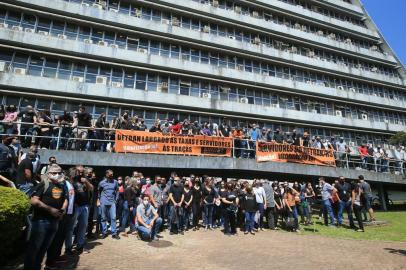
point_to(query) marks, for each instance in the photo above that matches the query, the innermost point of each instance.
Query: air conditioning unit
(340, 88)
(20, 71)
(265, 73)
(244, 100)
(117, 84)
(304, 28)
(311, 54)
(44, 33)
(77, 79)
(237, 9)
(205, 95)
(2, 66)
(339, 113)
(85, 4)
(29, 30)
(137, 13)
(386, 121)
(351, 144)
(320, 33)
(17, 28)
(364, 116)
(348, 41)
(142, 50)
(314, 111)
(231, 37)
(206, 29)
(240, 67)
(257, 40)
(114, 46)
(332, 36)
(114, 10)
(166, 21)
(88, 41)
(62, 36)
(374, 69)
(275, 105)
(298, 26)
(215, 3)
(352, 89)
(374, 48)
(97, 6)
(101, 80)
(175, 21)
(255, 14)
(293, 49)
(3, 25)
(102, 43)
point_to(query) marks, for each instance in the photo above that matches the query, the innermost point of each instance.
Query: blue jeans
(111, 209)
(347, 206)
(208, 214)
(327, 209)
(42, 234)
(81, 218)
(186, 217)
(294, 215)
(249, 221)
(127, 214)
(146, 233)
(70, 225)
(261, 215)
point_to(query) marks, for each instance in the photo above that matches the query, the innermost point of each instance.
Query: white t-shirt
(259, 194)
(71, 193)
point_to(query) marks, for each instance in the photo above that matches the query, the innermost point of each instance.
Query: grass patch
(394, 231)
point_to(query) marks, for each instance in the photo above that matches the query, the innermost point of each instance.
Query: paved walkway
(266, 250)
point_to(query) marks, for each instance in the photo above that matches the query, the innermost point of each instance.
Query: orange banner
(129, 141)
(291, 153)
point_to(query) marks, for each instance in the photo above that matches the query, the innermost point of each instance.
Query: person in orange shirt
(238, 136)
(290, 198)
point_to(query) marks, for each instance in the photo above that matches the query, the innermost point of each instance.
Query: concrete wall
(248, 166)
(66, 87)
(94, 14)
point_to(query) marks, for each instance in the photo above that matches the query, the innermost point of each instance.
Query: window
(35, 66)
(50, 68)
(141, 81)
(152, 82)
(129, 79)
(64, 71)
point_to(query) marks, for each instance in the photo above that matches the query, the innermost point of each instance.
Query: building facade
(320, 66)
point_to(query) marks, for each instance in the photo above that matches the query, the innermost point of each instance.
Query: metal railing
(69, 137)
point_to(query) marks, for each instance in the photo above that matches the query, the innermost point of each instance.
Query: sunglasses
(55, 173)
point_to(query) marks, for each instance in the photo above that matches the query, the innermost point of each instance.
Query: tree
(398, 139)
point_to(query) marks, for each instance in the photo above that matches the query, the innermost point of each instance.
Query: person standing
(83, 188)
(131, 202)
(208, 202)
(260, 197)
(357, 206)
(290, 202)
(326, 194)
(366, 198)
(250, 207)
(344, 195)
(196, 203)
(176, 198)
(229, 202)
(187, 206)
(270, 205)
(107, 199)
(49, 201)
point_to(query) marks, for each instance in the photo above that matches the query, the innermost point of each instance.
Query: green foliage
(398, 139)
(14, 206)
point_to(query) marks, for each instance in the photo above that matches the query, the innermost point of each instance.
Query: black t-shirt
(177, 191)
(278, 137)
(27, 117)
(84, 119)
(223, 195)
(296, 139)
(81, 192)
(344, 191)
(142, 127)
(209, 195)
(187, 195)
(306, 141)
(249, 203)
(24, 164)
(197, 195)
(54, 196)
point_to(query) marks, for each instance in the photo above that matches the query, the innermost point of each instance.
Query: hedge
(14, 206)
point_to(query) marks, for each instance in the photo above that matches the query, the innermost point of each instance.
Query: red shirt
(176, 128)
(363, 151)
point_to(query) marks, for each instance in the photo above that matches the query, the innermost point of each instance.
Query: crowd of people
(79, 131)
(73, 205)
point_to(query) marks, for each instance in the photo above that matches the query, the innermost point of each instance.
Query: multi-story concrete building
(317, 65)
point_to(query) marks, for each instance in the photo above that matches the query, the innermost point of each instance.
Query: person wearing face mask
(196, 203)
(148, 220)
(25, 176)
(278, 136)
(176, 198)
(344, 194)
(107, 200)
(49, 201)
(342, 149)
(229, 202)
(100, 132)
(131, 201)
(156, 194)
(120, 201)
(187, 206)
(142, 126)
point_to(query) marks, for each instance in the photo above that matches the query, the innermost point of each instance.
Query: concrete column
(382, 196)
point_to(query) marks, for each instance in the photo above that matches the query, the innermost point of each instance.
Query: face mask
(148, 182)
(110, 177)
(54, 177)
(120, 183)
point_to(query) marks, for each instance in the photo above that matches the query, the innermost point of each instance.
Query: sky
(390, 17)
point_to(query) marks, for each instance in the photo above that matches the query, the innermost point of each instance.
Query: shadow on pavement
(396, 251)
